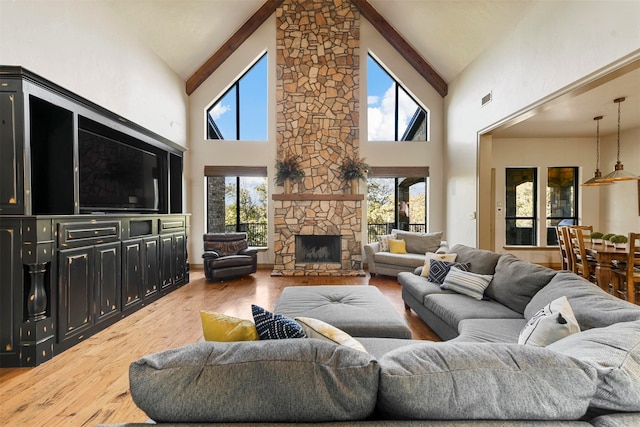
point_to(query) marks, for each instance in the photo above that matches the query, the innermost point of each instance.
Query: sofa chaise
(481, 376)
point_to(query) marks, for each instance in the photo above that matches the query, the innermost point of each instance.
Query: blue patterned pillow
(438, 270)
(272, 326)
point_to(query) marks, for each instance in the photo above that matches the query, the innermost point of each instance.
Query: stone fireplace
(317, 92)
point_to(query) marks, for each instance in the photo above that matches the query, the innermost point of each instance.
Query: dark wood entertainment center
(91, 221)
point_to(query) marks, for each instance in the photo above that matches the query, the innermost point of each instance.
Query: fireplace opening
(317, 249)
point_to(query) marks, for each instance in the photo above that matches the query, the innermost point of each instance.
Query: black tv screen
(115, 176)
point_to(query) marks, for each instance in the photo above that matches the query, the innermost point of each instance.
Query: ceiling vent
(486, 99)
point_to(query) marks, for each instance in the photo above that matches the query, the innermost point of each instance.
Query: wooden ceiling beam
(403, 48)
(230, 46)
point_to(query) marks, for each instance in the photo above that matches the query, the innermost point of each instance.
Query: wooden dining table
(603, 255)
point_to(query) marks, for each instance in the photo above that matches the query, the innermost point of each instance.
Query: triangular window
(241, 112)
(392, 113)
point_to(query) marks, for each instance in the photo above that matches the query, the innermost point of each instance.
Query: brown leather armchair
(228, 255)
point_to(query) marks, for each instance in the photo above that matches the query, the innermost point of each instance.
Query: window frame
(533, 218)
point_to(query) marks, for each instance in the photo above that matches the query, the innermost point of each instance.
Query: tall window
(398, 202)
(520, 206)
(562, 200)
(560, 206)
(237, 203)
(392, 114)
(241, 112)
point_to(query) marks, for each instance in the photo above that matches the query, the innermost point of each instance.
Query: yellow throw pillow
(318, 329)
(439, 257)
(220, 327)
(397, 246)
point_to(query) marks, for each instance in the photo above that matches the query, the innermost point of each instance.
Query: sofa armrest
(211, 254)
(248, 251)
(443, 248)
(369, 251)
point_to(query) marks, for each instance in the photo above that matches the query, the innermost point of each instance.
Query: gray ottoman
(360, 311)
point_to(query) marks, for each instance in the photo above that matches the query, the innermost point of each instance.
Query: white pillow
(439, 257)
(315, 328)
(384, 241)
(549, 324)
(466, 282)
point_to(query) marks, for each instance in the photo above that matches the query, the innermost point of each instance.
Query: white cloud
(372, 99)
(381, 117)
(218, 110)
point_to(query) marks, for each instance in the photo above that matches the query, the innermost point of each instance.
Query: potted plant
(596, 237)
(607, 239)
(288, 170)
(619, 241)
(352, 170)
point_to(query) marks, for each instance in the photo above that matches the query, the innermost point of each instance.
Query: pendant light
(619, 174)
(597, 177)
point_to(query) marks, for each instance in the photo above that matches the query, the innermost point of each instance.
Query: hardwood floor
(89, 383)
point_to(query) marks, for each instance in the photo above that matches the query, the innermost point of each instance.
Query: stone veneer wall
(317, 92)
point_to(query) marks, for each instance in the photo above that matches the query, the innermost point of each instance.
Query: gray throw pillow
(419, 243)
(516, 281)
(295, 380)
(462, 381)
(614, 352)
(482, 261)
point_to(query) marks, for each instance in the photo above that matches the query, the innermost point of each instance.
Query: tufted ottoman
(361, 311)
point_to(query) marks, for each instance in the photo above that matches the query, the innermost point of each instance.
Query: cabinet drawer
(171, 224)
(88, 233)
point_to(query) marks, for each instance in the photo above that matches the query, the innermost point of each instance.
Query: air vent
(486, 99)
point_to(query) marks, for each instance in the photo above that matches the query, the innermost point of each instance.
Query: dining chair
(626, 278)
(583, 264)
(562, 244)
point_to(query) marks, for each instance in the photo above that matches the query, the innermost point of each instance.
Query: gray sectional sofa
(382, 261)
(481, 376)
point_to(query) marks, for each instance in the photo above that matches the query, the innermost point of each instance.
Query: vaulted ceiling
(448, 35)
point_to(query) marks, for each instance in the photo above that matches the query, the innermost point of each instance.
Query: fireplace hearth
(317, 249)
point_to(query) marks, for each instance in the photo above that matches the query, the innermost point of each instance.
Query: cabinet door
(11, 153)
(151, 270)
(180, 257)
(75, 299)
(167, 267)
(108, 281)
(132, 273)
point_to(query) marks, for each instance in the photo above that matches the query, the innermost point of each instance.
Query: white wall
(619, 209)
(83, 47)
(555, 45)
(263, 153)
(543, 153)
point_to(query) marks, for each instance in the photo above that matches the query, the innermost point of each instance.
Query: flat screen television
(115, 176)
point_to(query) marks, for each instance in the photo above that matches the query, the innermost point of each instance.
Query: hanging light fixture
(619, 174)
(597, 177)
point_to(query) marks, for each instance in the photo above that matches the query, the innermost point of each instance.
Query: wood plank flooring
(89, 383)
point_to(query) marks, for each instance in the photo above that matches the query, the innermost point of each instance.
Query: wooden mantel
(317, 197)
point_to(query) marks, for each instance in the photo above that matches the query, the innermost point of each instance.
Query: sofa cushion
(553, 322)
(383, 241)
(397, 246)
(419, 243)
(272, 326)
(438, 270)
(315, 328)
(270, 381)
(481, 260)
(614, 352)
(419, 287)
(440, 257)
(466, 282)
(220, 327)
(592, 307)
(489, 330)
(452, 308)
(403, 260)
(432, 381)
(516, 281)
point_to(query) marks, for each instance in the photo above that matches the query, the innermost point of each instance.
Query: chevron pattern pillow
(272, 326)
(438, 270)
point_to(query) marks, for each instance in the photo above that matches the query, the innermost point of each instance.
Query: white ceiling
(448, 35)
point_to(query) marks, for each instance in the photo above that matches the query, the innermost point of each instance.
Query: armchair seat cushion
(230, 261)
